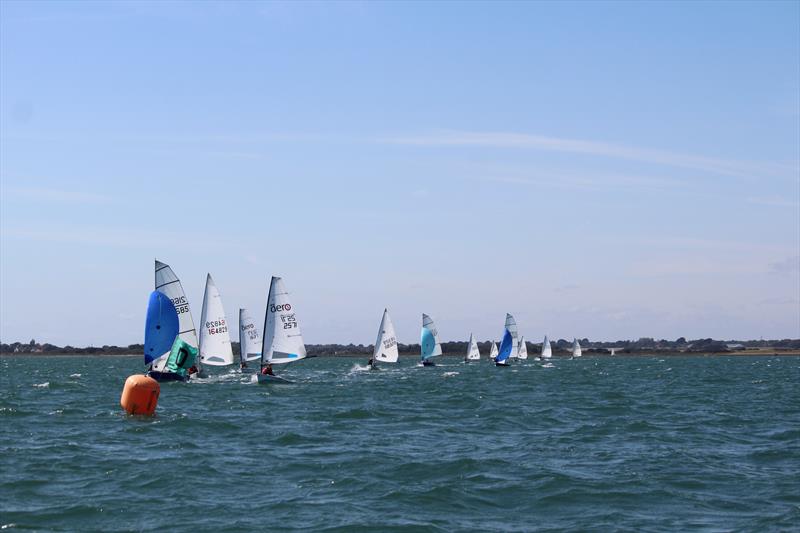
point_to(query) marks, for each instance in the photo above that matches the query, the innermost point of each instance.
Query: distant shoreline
(754, 353)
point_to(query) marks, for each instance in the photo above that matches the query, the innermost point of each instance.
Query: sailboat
(386, 343)
(168, 284)
(283, 342)
(493, 351)
(576, 348)
(161, 327)
(522, 351)
(249, 339)
(215, 340)
(547, 350)
(473, 354)
(429, 341)
(508, 345)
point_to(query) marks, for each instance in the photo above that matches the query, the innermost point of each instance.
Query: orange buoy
(140, 395)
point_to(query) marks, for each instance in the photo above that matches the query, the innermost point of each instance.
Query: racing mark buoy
(140, 395)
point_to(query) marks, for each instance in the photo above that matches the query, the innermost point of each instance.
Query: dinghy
(473, 354)
(576, 348)
(429, 341)
(386, 344)
(283, 342)
(249, 340)
(509, 344)
(493, 351)
(215, 340)
(168, 284)
(522, 351)
(547, 350)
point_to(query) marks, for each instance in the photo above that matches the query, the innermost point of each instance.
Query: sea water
(622, 443)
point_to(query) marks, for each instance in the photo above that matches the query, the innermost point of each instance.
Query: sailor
(243, 365)
(192, 370)
(371, 362)
(267, 370)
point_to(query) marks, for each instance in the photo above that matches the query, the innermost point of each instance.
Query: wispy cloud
(593, 148)
(46, 194)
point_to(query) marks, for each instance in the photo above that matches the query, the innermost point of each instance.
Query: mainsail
(523, 349)
(168, 284)
(215, 340)
(576, 348)
(547, 350)
(511, 327)
(161, 327)
(386, 343)
(249, 337)
(283, 342)
(473, 354)
(493, 351)
(429, 339)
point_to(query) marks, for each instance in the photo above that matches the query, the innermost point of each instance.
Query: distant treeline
(563, 346)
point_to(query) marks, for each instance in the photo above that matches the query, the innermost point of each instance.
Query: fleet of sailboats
(173, 351)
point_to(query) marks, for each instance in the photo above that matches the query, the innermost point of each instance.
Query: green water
(626, 444)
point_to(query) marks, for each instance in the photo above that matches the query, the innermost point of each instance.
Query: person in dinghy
(266, 370)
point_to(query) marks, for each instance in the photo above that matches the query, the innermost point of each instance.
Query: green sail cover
(181, 358)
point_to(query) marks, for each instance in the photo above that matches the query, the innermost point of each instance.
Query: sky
(600, 170)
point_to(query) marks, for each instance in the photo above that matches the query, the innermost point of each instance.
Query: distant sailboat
(215, 339)
(167, 283)
(547, 350)
(473, 354)
(249, 339)
(508, 345)
(576, 348)
(386, 344)
(522, 351)
(429, 341)
(493, 351)
(283, 342)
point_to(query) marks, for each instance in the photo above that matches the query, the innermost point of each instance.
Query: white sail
(215, 339)
(493, 351)
(473, 354)
(386, 343)
(168, 284)
(523, 349)
(283, 342)
(511, 326)
(429, 339)
(249, 337)
(576, 348)
(547, 350)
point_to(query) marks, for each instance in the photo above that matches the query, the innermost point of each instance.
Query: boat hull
(266, 379)
(163, 377)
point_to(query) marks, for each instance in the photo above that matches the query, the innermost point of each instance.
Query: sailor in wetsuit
(267, 370)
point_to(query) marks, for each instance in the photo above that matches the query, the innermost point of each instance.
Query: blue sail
(161, 327)
(505, 347)
(428, 343)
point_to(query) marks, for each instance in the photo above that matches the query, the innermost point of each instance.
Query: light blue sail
(429, 343)
(161, 327)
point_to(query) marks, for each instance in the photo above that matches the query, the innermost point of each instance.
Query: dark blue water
(626, 443)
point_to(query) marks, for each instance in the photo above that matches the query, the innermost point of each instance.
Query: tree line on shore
(560, 346)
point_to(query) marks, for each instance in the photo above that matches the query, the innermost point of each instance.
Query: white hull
(266, 379)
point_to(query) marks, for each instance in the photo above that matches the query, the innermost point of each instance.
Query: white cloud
(596, 148)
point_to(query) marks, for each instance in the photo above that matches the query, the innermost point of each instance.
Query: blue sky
(601, 170)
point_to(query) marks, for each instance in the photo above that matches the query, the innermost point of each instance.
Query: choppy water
(623, 443)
